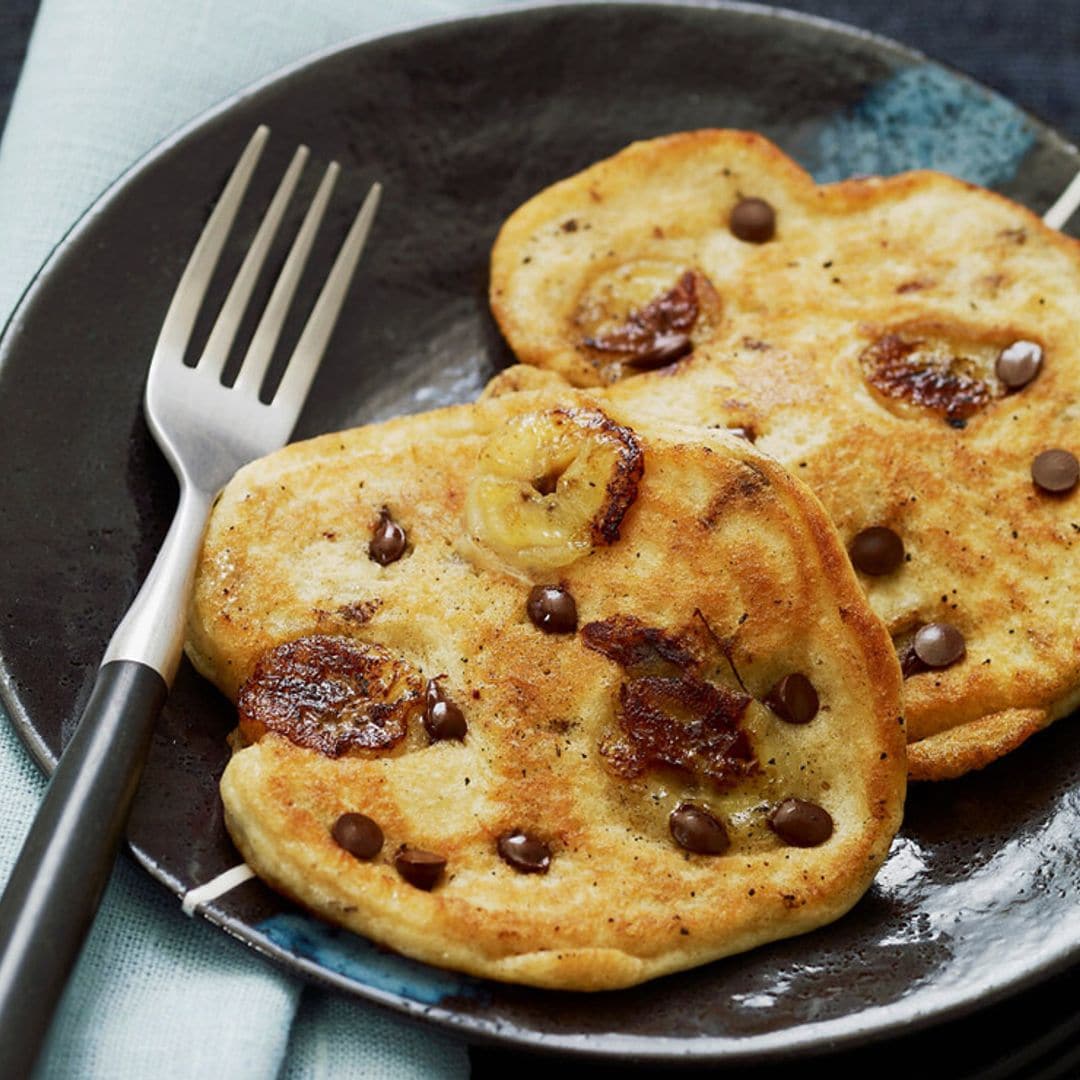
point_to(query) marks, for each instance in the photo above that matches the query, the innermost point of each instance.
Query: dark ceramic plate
(462, 121)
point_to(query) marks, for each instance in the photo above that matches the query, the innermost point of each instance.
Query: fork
(206, 431)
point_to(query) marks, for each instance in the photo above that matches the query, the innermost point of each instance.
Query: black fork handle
(56, 886)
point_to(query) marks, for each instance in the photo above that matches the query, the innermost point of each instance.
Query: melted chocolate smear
(330, 694)
(682, 723)
(659, 333)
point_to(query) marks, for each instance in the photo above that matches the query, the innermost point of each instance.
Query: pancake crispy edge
(735, 572)
(858, 345)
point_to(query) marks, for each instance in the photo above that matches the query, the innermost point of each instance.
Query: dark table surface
(1031, 54)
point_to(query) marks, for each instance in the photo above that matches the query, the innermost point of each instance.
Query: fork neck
(152, 631)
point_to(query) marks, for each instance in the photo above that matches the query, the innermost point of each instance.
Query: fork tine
(257, 358)
(228, 321)
(180, 318)
(309, 350)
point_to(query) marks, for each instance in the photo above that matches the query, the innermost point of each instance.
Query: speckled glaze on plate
(462, 121)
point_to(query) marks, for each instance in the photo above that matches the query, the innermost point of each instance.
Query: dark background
(1030, 54)
(16, 18)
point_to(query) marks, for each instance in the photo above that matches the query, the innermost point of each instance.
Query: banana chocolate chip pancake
(534, 694)
(910, 346)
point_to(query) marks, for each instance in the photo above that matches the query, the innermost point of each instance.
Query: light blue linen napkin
(157, 994)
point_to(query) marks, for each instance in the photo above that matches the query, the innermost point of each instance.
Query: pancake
(531, 694)
(910, 346)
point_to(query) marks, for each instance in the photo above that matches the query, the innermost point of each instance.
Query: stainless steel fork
(207, 431)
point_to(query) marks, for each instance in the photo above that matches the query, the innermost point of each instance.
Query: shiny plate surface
(978, 897)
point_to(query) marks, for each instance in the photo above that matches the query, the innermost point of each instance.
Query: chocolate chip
(793, 699)
(876, 550)
(358, 835)
(800, 823)
(695, 829)
(420, 868)
(746, 433)
(525, 853)
(1055, 471)
(442, 717)
(1019, 363)
(753, 220)
(939, 644)
(552, 609)
(387, 541)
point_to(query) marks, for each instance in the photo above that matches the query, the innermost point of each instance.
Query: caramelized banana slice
(639, 316)
(331, 694)
(550, 486)
(948, 368)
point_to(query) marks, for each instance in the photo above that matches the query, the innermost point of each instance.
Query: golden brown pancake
(909, 346)
(612, 696)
